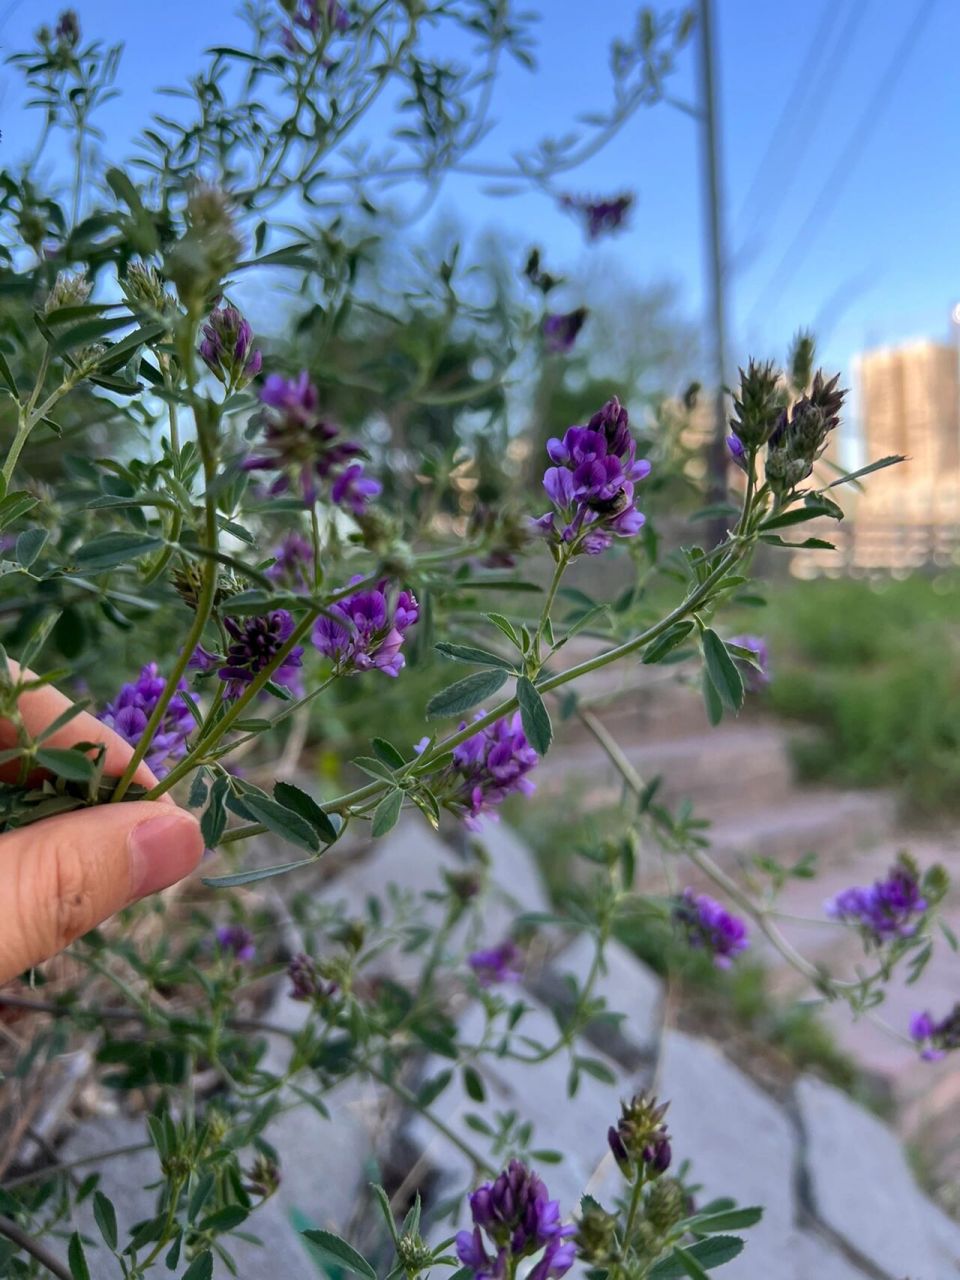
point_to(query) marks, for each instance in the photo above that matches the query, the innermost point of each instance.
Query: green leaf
(15, 505)
(29, 545)
(333, 1247)
(387, 813)
(88, 331)
(712, 701)
(478, 657)
(506, 626)
(697, 1259)
(111, 549)
(728, 1220)
(213, 821)
(258, 873)
(106, 1217)
(77, 1259)
(63, 718)
(277, 818)
(890, 461)
(225, 1219)
(596, 1068)
(72, 765)
(388, 753)
(466, 693)
(473, 1083)
(534, 715)
(7, 378)
(797, 515)
(658, 649)
(722, 671)
(292, 797)
(201, 1268)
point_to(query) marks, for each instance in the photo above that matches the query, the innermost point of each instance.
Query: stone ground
(841, 1201)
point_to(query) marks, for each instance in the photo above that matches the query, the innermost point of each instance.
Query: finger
(40, 707)
(61, 877)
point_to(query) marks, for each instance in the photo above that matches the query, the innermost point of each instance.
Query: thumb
(62, 876)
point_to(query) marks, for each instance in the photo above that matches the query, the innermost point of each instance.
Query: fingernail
(162, 851)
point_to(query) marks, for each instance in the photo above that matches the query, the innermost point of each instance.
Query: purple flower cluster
(708, 925)
(304, 446)
(312, 15)
(293, 563)
(592, 483)
(560, 330)
(226, 348)
(937, 1038)
(488, 767)
(255, 643)
(518, 1219)
(755, 678)
(236, 940)
(305, 981)
(884, 910)
(497, 964)
(132, 708)
(365, 632)
(600, 217)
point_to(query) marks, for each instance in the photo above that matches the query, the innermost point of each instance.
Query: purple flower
(640, 1136)
(884, 910)
(737, 451)
(226, 348)
(497, 964)
(352, 490)
(256, 642)
(305, 447)
(132, 708)
(487, 768)
(67, 29)
(937, 1038)
(755, 678)
(600, 216)
(293, 563)
(365, 632)
(592, 483)
(518, 1218)
(560, 330)
(238, 941)
(710, 926)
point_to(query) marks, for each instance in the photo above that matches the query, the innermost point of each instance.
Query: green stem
(558, 573)
(411, 1100)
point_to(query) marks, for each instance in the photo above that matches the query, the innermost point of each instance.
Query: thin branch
(23, 1240)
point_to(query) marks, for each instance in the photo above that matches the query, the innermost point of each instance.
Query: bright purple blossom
(238, 941)
(226, 347)
(255, 643)
(293, 563)
(306, 448)
(132, 708)
(708, 925)
(592, 483)
(488, 767)
(737, 451)
(937, 1038)
(365, 632)
(755, 678)
(518, 1219)
(497, 964)
(601, 216)
(560, 330)
(885, 910)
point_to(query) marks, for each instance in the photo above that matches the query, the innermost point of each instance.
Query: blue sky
(879, 264)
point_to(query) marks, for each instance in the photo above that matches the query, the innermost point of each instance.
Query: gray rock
(862, 1189)
(815, 1259)
(627, 986)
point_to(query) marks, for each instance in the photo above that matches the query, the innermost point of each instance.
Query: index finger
(40, 707)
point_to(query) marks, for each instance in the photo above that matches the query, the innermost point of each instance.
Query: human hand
(62, 876)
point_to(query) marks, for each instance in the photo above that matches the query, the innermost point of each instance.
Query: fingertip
(163, 848)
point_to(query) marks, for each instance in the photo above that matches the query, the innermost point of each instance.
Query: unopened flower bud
(227, 348)
(596, 1236)
(143, 289)
(67, 30)
(209, 247)
(263, 1177)
(666, 1204)
(640, 1137)
(69, 290)
(758, 404)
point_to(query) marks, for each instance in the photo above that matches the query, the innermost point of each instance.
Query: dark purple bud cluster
(709, 926)
(365, 632)
(602, 216)
(306, 448)
(885, 910)
(133, 706)
(255, 643)
(592, 484)
(937, 1038)
(497, 964)
(227, 348)
(639, 1140)
(306, 981)
(515, 1218)
(560, 330)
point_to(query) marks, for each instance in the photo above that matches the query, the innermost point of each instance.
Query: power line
(841, 171)
(791, 109)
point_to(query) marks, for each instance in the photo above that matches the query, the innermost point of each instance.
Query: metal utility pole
(716, 258)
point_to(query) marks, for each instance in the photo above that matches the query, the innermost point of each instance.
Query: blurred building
(908, 515)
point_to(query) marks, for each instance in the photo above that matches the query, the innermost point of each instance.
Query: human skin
(61, 877)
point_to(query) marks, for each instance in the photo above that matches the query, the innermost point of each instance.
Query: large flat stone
(862, 1189)
(815, 1259)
